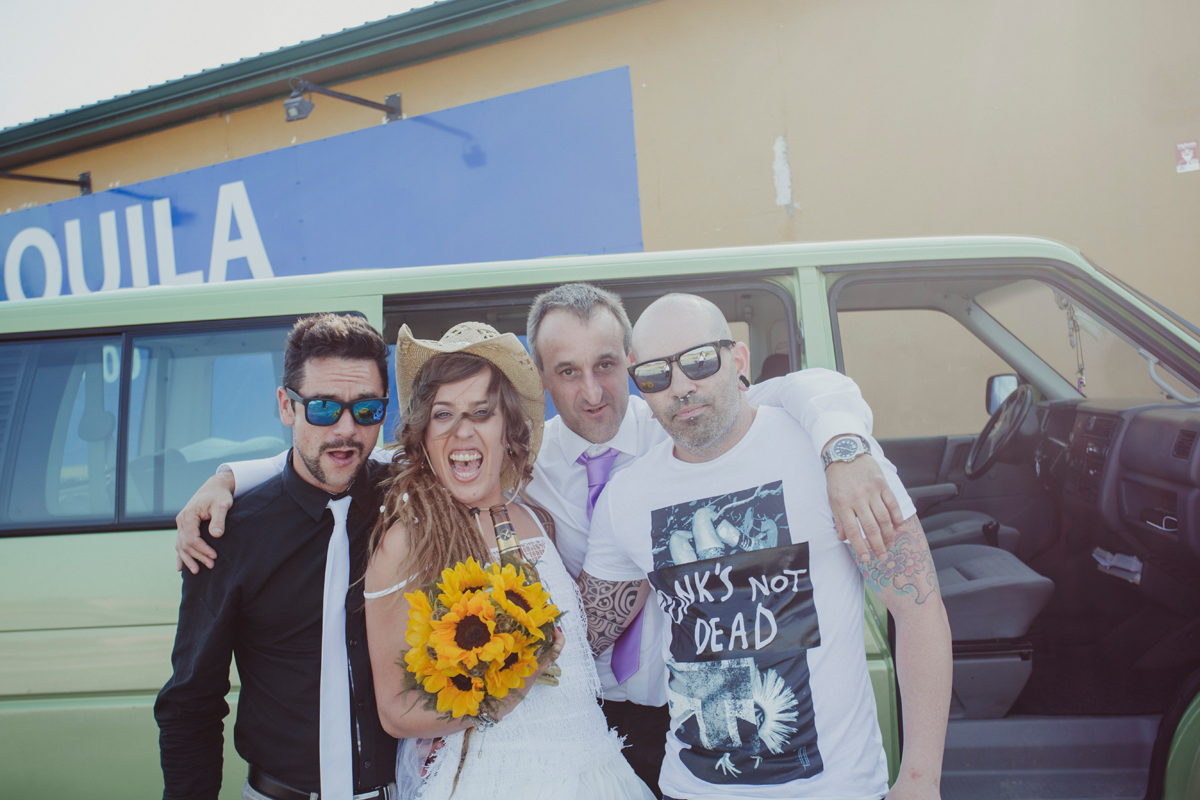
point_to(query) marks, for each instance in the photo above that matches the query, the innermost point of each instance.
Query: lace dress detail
(554, 735)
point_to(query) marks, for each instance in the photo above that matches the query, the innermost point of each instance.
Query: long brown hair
(441, 530)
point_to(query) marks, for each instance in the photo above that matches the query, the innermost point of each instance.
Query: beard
(703, 433)
(313, 460)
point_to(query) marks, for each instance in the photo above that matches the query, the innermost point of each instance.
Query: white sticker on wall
(1185, 157)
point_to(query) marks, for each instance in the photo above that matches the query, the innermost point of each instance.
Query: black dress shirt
(262, 602)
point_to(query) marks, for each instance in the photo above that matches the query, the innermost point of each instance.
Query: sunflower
(459, 693)
(466, 634)
(512, 671)
(420, 619)
(529, 604)
(460, 580)
(421, 661)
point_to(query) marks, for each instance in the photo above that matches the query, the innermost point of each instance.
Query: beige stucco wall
(901, 119)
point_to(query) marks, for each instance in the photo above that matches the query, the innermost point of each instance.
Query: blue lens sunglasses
(324, 412)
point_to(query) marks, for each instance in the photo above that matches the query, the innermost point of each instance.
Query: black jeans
(645, 731)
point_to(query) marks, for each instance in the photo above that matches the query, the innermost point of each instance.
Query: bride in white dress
(473, 412)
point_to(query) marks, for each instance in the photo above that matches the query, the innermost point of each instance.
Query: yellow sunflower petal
(420, 615)
(511, 672)
(467, 633)
(460, 696)
(459, 580)
(528, 604)
(419, 663)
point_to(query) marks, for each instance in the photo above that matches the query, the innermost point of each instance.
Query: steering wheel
(1000, 431)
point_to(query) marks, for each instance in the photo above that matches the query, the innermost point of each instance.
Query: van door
(102, 439)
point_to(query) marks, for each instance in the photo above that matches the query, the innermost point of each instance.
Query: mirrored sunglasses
(323, 412)
(697, 362)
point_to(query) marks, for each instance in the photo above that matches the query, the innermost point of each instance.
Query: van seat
(991, 600)
(965, 527)
(988, 592)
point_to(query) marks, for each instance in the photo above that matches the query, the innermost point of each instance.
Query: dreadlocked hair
(441, 530)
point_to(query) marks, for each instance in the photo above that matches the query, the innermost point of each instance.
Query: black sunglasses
(697, 362)
(323, 412)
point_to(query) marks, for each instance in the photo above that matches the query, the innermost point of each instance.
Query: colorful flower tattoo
(907, 568)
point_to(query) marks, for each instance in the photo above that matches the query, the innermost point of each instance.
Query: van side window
(936, 351)
(197, 400)
(58, 426)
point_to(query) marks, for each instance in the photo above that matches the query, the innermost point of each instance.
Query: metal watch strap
(864, 448)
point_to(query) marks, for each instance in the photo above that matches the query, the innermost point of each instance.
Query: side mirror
(999, 387)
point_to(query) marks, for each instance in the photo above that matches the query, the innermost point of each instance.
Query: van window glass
(1066, 335)
(392, 422)
(58, 431)
(196, 401)
(945, 370)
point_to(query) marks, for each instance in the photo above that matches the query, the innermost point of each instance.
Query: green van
(1075, 664)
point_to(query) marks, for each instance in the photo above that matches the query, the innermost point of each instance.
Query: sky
(58, 55)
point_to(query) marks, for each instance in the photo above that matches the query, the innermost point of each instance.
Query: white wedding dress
(555, 745)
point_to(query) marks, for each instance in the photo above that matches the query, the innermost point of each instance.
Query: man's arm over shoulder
(214, 498)
(828, 404)
(212, 502)
(906, 581)
(191, 707)
(613, 587)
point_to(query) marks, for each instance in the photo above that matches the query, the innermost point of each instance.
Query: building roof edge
(418, 35)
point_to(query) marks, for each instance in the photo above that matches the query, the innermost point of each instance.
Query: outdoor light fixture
(84, 183)
(297, 107)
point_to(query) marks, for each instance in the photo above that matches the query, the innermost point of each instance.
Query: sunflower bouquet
(476, 635)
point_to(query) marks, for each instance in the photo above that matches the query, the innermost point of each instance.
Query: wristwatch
(845, 448)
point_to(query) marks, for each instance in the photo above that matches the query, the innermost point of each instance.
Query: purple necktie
(599, 467)
(626, 657)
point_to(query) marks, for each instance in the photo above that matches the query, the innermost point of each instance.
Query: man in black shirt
(265, 601)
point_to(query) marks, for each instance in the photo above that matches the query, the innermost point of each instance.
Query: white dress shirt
(825, 402)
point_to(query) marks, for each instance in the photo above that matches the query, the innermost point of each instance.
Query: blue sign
(547, 171)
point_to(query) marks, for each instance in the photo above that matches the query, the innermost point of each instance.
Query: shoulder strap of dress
(385, 592)
(544, 517)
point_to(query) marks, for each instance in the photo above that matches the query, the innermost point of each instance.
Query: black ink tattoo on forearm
(608, 605)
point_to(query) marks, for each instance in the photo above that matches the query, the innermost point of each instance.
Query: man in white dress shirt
(580, 338)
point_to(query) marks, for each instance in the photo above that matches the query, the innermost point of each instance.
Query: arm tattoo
(907, 569)
(608, 605)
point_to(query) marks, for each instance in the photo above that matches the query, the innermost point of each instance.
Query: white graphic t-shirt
(768, 685)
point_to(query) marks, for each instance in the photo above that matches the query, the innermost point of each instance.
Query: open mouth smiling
(466, 464)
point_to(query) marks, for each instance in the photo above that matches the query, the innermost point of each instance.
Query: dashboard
(1133, 469)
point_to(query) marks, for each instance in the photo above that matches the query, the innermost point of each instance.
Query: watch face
(845, 448)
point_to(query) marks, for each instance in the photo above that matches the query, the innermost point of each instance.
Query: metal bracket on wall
(84, 182)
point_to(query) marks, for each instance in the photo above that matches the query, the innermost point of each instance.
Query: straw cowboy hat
(502, 349)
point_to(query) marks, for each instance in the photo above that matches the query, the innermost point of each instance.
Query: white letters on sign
(110, 255)
(43, 242)
(233, 206)
(165, 242)
(234, 203)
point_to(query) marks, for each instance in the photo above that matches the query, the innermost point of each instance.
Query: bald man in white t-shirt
(727, 529)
